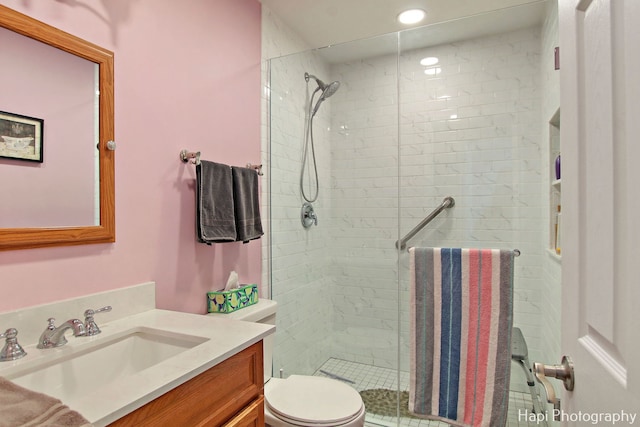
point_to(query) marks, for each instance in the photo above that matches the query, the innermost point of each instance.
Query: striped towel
(461, 320)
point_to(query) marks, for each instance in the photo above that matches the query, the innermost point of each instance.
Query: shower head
(327, 89)
(330, 89)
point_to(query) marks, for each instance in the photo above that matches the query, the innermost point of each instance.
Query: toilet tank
(264, 311)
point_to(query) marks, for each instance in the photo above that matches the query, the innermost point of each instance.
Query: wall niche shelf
(555, 189)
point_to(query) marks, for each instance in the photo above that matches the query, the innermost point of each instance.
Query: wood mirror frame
(23, 238)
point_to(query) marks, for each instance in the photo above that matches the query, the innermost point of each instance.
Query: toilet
(301, 400)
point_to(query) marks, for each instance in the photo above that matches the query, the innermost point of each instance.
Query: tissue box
(233, 300)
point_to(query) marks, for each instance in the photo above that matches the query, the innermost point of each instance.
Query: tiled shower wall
(551, 266)
(472, 131)
(364, 201)
(298, 260)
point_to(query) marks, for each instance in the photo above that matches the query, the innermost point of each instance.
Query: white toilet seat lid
(313, 400)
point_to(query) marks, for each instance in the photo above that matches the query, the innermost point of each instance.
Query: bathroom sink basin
(74, 373)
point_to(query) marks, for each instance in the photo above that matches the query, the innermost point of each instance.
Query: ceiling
(328, 22)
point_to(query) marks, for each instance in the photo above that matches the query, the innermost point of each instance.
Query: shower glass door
(457, 109)
(336, 282)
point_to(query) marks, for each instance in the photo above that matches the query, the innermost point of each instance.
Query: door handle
(563, 372)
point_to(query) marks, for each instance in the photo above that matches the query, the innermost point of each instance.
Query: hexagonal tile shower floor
(378, 386)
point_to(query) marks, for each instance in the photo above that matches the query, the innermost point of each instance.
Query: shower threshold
(335, 377)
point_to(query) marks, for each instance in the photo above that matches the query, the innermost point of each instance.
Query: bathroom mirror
(47, 225)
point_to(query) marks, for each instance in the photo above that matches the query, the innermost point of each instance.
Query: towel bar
(185, 155)
(256, 167)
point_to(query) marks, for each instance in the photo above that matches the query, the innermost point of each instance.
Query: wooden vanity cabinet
(229, 394)
(252, 416)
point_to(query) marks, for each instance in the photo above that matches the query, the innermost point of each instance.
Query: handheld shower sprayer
(327, 90)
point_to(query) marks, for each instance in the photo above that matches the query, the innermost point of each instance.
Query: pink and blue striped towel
(461, 320)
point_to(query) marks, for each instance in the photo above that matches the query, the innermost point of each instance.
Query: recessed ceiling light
(433, 71)
(428, 61)
(411, 16)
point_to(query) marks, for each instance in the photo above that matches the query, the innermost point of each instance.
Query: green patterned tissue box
(233, 300)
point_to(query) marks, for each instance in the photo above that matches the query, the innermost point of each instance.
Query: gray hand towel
(215, 220)
(247, 204)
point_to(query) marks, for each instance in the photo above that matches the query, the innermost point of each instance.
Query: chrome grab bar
(446, 203)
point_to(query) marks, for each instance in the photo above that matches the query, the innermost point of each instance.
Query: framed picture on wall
(21, 137)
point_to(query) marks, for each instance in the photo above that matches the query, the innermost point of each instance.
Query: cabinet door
(210, 399)
(252, 416)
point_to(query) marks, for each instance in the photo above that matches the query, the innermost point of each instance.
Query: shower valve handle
(312, 216)
(308, 215)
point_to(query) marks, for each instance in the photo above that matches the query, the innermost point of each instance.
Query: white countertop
(108, 402)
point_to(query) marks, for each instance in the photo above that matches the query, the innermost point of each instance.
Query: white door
(600, 134)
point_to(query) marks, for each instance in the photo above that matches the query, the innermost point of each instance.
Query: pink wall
(187, 75)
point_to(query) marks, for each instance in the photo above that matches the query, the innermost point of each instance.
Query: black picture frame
(21, 137)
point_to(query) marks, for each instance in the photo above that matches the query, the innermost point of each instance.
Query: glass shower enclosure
(447, 110)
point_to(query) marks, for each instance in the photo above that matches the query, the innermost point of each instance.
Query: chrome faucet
(91, 328)
(11, 350)
(54, 337)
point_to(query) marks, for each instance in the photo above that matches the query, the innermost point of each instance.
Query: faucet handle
(51, 323)
(12, 350)
(90, 325)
